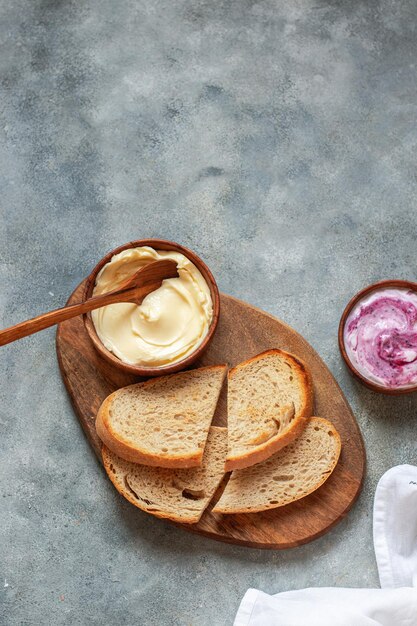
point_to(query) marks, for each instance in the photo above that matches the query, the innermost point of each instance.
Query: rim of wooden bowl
(393, 283)
(138, 370)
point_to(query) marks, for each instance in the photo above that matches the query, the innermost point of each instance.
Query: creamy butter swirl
(171, 322)
(380, 337)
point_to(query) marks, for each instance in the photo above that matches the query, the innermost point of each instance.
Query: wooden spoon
(133, 289)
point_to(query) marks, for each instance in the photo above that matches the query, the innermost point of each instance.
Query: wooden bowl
(138, 370)
(383, 284)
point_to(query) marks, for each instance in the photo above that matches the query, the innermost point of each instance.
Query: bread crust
(127, 494)
(125, 450)
(266, 507)
(267, 449)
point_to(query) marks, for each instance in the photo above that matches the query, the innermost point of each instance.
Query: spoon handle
(29, 327)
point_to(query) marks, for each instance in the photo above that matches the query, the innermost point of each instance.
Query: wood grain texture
(243, 331)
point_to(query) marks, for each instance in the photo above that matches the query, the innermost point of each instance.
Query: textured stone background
(278, 140)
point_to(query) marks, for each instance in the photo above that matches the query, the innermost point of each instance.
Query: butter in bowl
(173, 325)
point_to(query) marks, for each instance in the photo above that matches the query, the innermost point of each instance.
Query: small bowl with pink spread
(378, 336)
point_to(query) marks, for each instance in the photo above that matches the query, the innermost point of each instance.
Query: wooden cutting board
(243, 331)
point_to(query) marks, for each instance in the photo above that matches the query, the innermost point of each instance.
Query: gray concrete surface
(277, 139)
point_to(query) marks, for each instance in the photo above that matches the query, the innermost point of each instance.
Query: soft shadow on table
(396, 410)
(388, 408)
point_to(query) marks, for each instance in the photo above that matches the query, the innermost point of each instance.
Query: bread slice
(164, 421)
(180, 495)
(268, 398)
(294, 472)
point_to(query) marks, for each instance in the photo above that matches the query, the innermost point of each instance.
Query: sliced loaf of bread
(294, 472)
(164, 421)
(268, 399)
(180, 495)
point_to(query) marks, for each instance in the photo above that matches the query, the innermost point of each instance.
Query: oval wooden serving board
(243, 331)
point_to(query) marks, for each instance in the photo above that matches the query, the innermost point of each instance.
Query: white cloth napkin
(395, 527)
(395, 541)
(329, 607)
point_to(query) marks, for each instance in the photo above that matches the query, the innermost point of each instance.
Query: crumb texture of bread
(290, 474)
(164, 421)
(180, 495)
(268, 398)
